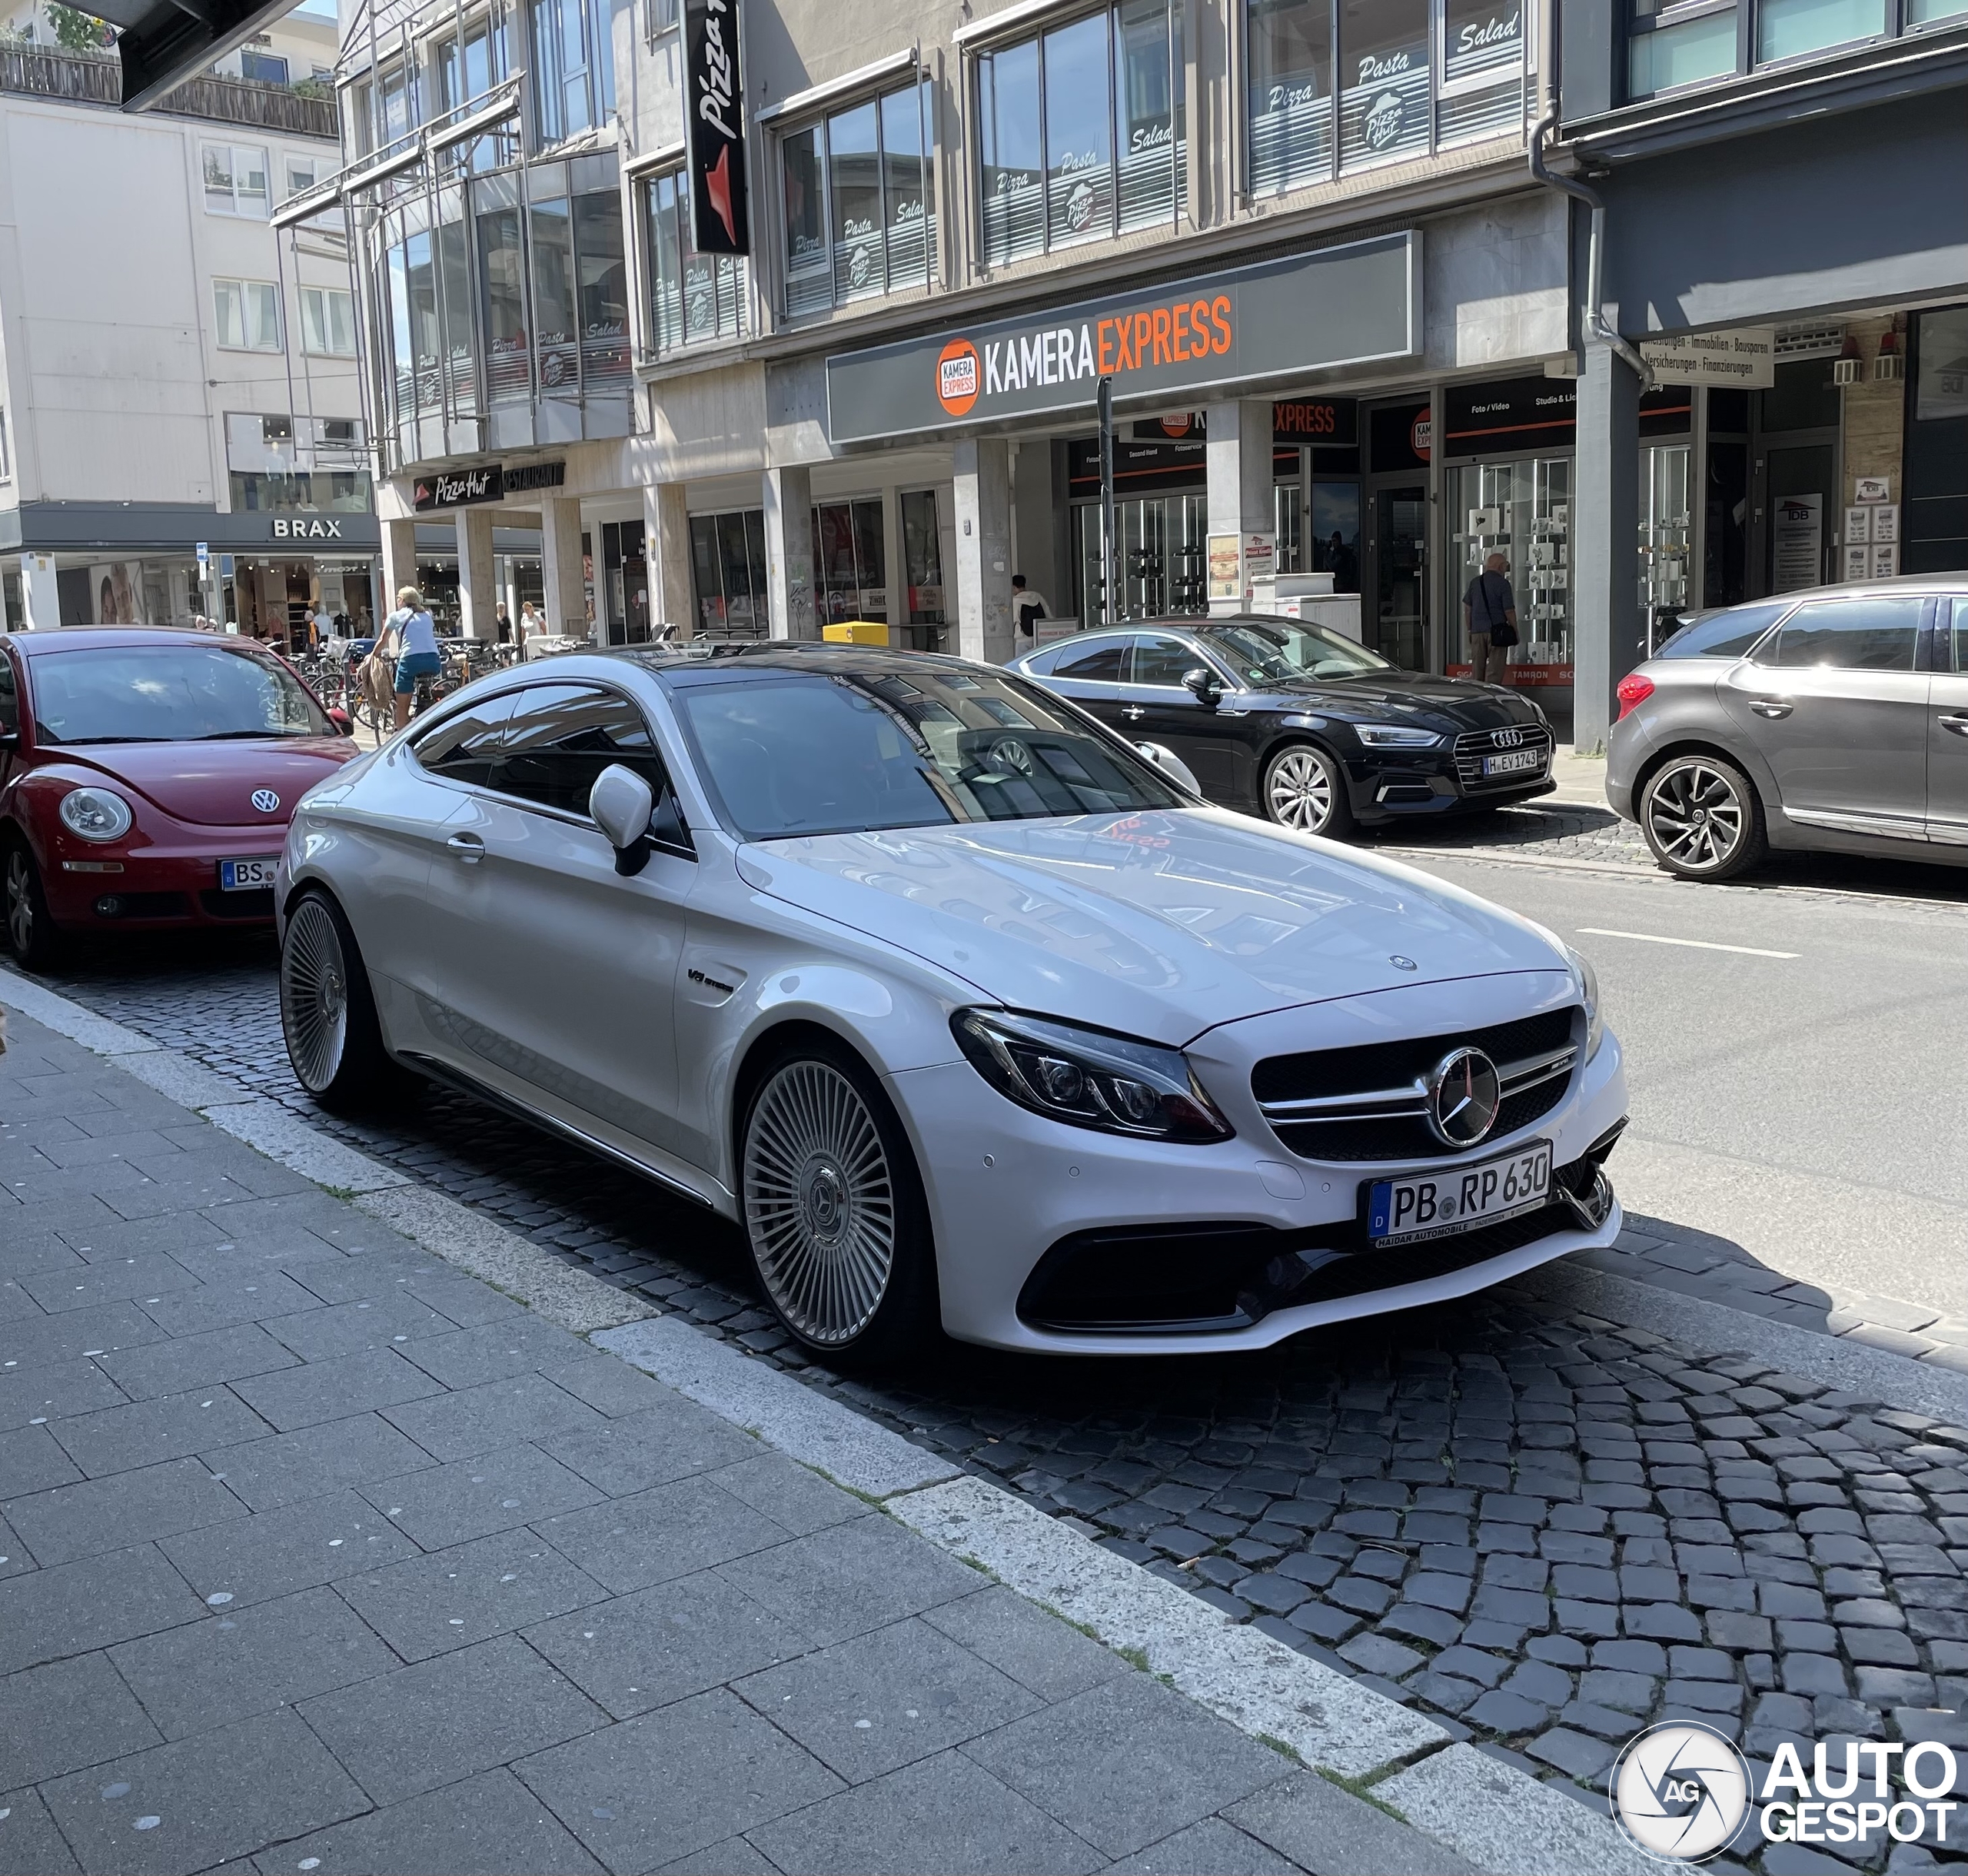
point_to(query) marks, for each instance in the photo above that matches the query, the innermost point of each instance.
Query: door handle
(468, 847)
(1958, 724)
(1772, 707)
(1133, 712)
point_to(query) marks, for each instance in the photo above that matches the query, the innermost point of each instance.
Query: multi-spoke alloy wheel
(1303, 790)
(821, 1203)
(314, 996)
(1701, 818)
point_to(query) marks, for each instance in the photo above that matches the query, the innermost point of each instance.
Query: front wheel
(1304, 788)
(1702, 818)
(834, 1212)
(31, 932)
(328, 1014)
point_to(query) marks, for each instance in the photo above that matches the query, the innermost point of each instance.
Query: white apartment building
(173, 370)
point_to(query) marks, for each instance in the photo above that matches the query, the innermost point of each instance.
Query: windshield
(793, 753)
(1281, 650)
(195, 692)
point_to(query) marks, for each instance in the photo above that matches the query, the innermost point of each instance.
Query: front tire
(327, 1013)
(1305, 789)
(833, 1210)
(1703, 818)
(31, 934)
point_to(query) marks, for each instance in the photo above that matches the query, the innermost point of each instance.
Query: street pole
(1110, 558)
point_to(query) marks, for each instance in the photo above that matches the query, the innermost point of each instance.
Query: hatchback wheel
(31, 933)
(834, 1209)
(1702, 818)
(328, 1014)
(1303, 788)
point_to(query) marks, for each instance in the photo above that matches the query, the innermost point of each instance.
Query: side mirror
(344, 723)
(1204, 686)
(1170, 764)
(620, 804)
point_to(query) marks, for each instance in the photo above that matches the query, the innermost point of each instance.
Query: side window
(465, 747)
(1959, 603)
(10, 700)
(1095, 665)
(563, 736)
(1869, 634)
(1728, 634)
(1162, 661)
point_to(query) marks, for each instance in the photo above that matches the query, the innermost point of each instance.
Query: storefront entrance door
(1394, 621)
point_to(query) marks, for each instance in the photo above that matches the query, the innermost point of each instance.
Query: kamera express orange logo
(959, 376)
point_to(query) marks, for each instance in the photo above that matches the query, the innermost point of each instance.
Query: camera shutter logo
(266, 800)
(1681, 1791)
(959, 377)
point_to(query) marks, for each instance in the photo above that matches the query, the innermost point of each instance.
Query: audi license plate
(1511, 760)
(1434, 1205)
(247, 876)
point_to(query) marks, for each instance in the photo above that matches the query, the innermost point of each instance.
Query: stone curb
(268, 1128)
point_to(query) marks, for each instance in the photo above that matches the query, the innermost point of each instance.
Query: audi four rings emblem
(1463, 1096)
(265, 800)
(1507, 739)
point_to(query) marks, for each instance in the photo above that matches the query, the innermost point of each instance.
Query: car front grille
(256, 904)
(1472, 745)
(1369, 1103)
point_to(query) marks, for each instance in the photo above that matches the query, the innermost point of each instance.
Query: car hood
(1453, 700)
(212, 784)
(1161, 924)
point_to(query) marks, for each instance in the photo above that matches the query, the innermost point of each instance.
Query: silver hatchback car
(1834, 719)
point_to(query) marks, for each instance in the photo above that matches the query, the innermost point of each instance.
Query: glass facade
(1673, 43)
(860, 206)
(574, 67)
(850, 576)
(694, 299)
(1521, 509)
(1081, 131)
(728, 569)
(922, 570)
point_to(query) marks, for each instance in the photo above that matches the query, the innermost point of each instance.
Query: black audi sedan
(1301, 725)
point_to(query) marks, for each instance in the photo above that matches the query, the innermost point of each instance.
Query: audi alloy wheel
(1304, 789)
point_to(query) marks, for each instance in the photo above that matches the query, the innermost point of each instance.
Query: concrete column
(895, 565)
(789, 498)
(477, 594)
(667, 541)
(1038, 516)
(1238, 455)
(983, 549)
(560, 566)
(41, 597)
(1607, 639)
(399, 565)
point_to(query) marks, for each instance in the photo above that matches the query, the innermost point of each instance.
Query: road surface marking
(1693, 944)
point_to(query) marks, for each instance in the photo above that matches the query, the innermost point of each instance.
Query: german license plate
(247, 876)
(1434, 1205)
(1512, 761)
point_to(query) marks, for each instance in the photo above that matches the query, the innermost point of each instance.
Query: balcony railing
(97, 78)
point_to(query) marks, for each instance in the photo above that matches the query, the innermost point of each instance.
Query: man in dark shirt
(1488, 603)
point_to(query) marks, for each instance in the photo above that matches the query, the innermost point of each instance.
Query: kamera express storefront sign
(1356, 304)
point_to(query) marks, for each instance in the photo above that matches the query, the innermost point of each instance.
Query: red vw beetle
(147, 777)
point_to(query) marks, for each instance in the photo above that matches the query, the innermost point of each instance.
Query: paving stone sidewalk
(316, 1554)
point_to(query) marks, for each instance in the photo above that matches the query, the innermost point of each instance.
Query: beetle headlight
(95, 813)
(1087, 1079)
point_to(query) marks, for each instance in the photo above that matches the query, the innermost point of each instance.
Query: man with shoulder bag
(1489, 618)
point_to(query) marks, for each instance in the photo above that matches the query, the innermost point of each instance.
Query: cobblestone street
(1542, 1527)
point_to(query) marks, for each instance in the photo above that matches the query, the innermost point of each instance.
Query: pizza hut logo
(1383, 120)
(1079, 207)
(959, 376)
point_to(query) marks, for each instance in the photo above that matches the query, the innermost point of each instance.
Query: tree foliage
(78, 31)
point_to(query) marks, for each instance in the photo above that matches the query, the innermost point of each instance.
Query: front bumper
(1389, 785)
(158, 886)
(1005, 1188)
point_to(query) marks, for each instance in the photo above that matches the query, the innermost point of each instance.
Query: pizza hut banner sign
(714, 127)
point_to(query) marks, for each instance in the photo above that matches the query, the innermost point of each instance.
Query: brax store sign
(1356, 304)
(306, 528)
(491, 483)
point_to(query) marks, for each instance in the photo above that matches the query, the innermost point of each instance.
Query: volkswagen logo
(1507, 739)
(1463, 1096)
(266, 800)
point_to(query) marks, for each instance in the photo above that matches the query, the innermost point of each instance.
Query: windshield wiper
(89, 741)
(235, 736)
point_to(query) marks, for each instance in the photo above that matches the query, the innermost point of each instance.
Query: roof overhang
(163, 42)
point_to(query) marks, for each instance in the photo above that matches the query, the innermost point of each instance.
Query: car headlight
(1588, 979)
(1395, 736)
(95, 813)
(1087, 1079)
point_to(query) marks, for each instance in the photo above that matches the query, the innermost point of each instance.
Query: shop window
(849, 567)
(1796, 28)
(556, 322)
(1481, 91)
(1383, 68)
(1290, 61)
(1666, 535)
(235, 180)
(1521, 509)
(246, 315)
(1335, 527)
(922, 569)
(625, 583)
(318, 491)
(454, 302)
(601, 289)
(728, 568)
(502, 291)
(1081, 131)
(327, 322)
(694, 299)
(574, 67)
(860, 202)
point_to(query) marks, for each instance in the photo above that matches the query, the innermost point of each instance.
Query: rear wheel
(834, 1209)
(328, 1014)
(31, 934)
(1702, 818)
(1304, 788)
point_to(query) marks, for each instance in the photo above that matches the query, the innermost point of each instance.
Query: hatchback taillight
(1633, 691)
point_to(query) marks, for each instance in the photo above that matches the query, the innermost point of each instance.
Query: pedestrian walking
(1028, 607)
(1489, 617)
